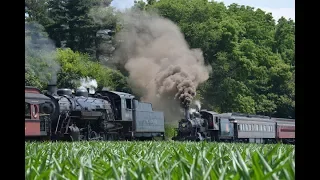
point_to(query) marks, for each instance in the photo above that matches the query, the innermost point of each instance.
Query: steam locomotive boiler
(78, 116)
(105, 115)
(135, 119)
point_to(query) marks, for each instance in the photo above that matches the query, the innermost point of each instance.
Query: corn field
(158, 160)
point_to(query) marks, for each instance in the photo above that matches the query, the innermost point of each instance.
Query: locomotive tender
(60, 114)
(235, 127)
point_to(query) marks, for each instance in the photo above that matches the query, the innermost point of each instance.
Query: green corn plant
(158, 160)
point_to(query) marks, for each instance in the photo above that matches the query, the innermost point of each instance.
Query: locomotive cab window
(216, 120)
(117, 108)
(128, 103)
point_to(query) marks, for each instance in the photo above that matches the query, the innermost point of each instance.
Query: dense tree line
(251, 54)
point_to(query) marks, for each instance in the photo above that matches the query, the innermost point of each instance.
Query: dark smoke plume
(162, 67)
(40, 53)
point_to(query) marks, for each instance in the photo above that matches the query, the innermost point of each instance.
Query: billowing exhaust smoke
(40, 54)
(162, 67)
(198, 105)
(88, 84)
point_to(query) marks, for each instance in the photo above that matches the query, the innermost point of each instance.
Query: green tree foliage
(37, 10)
(39, 56)
(32, 80)
(71, 23)
(252, 57)
(76, 65)
(140, 5)
(81, 27)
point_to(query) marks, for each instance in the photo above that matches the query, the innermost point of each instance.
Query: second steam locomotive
(234, 127)
(60, 114)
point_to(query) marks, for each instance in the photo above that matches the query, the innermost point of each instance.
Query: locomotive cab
(137, 119)
(122, 103)
(220, 127)
(212, 118)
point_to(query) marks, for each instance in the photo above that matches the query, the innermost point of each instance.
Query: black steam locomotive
(234, 127)
(193, 127)
(60, 114)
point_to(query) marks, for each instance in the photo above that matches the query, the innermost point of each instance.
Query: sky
(278, 8)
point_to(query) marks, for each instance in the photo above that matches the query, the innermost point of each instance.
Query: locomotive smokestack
(52, 89)
(186, 113)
